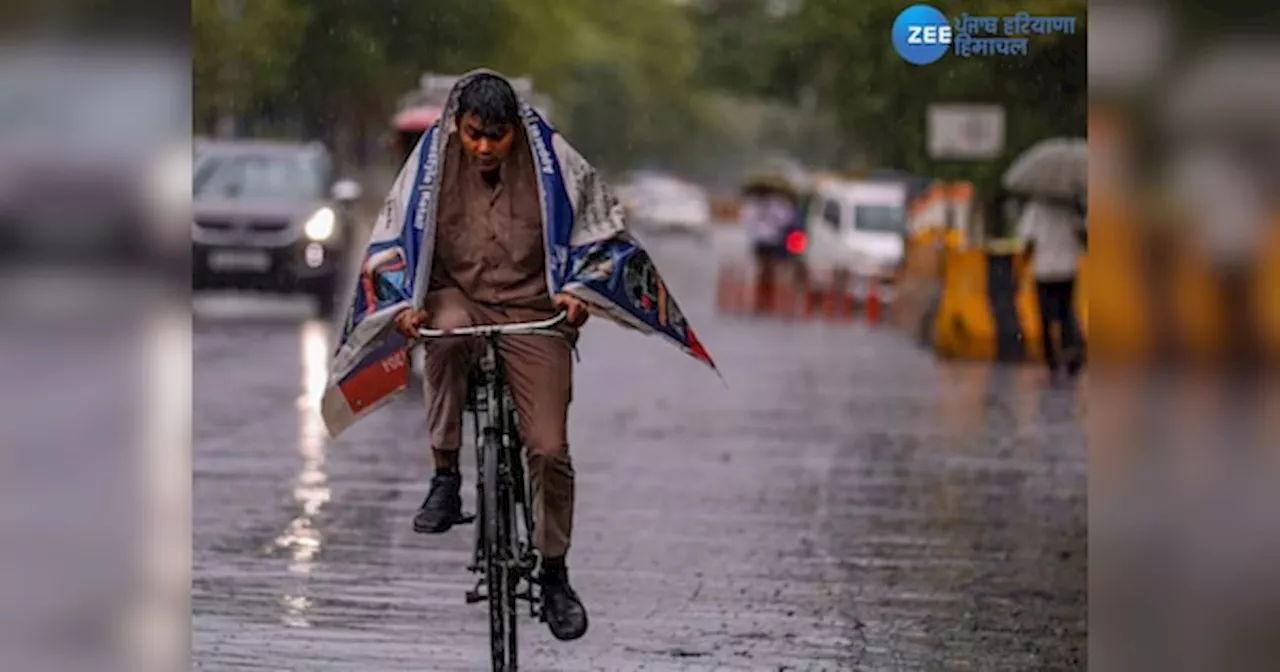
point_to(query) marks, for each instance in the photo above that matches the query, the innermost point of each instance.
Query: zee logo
(921, 34)
(928, 34)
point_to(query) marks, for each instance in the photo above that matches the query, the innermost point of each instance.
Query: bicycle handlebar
(542, 327)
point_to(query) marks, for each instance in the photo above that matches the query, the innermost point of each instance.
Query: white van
(856, 226)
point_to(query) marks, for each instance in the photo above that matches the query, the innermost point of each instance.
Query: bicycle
(504, 558)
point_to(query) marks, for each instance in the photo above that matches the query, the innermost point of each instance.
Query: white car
(856, 226)
(666, 205)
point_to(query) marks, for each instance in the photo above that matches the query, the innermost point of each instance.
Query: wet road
(842, 503)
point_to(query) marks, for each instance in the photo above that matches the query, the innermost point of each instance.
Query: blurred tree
(743, 47)
(843, 50)
(541, 41)
(342, 69)
(209, 51)
(649, 48)
(620, 73)
(698, 85)
(241, 55)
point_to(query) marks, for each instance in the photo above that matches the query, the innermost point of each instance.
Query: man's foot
(1075, 363)
(563, 611)
(443, 506)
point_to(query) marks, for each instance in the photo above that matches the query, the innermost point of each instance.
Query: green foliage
(696, 85)
(238, 63)
(881, 100)
(621, 72)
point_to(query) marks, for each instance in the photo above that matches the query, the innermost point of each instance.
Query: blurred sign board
(965, 132)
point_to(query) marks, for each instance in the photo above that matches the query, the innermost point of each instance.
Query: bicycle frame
(494, 419)
(493, 409)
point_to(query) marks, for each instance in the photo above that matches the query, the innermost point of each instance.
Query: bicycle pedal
(474, 596)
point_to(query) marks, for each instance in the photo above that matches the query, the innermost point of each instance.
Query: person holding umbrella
(1050, 178)
(769, 214)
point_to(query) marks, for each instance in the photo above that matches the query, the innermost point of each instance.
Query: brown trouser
(539, 371)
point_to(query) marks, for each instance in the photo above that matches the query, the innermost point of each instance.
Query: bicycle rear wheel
(501, 575)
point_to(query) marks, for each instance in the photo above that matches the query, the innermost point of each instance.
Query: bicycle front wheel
(501, 576)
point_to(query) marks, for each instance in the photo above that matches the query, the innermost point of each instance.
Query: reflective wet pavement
(839, 502)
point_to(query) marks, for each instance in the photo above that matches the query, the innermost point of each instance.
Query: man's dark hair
(491, 99)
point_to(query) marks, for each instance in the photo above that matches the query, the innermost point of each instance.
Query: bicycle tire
(500, 576)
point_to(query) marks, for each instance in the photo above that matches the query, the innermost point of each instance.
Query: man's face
(486, 145)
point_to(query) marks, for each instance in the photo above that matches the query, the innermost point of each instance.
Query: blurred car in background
(270, 216)
(95, 156)
(663, 204)
(857, 226)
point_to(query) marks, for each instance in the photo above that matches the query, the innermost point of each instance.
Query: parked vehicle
(269, 216)
(664, 204)
(858, 226)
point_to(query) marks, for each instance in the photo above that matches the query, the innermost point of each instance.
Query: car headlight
(321, 225)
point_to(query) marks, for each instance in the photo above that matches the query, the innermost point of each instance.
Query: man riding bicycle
(496, 219)
(489, 268)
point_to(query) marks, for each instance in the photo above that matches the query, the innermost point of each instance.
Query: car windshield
(880, 218)
(258, 177)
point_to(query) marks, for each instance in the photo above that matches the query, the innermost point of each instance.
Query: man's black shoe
(563, 611)
(443, 506)
(1075, 364)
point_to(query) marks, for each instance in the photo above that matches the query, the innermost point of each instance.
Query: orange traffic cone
(763, 294)
(784, 298)
(809, 298)
(730, 288)
(873, 301)
(833, 295)
(837, 300)
(830, 303)
(847, 308)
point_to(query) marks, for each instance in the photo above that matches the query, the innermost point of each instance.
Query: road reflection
(301, 538)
